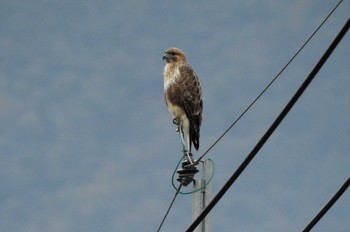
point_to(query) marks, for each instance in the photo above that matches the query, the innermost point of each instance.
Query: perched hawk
(183, 96)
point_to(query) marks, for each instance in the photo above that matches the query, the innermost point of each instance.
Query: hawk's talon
(175, 121)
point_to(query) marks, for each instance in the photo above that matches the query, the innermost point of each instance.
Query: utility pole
(202, 197)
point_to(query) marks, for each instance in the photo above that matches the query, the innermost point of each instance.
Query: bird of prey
(183, 96)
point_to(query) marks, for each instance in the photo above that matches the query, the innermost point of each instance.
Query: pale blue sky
(87, 143)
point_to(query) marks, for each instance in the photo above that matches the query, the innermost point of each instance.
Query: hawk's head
(174, 55)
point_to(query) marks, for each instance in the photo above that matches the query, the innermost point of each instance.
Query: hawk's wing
(191, 100)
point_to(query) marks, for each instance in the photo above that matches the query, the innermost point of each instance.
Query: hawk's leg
(186, 151)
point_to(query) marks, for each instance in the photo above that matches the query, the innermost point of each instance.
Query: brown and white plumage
(183, 95)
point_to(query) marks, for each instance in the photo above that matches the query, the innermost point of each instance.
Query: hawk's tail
(195, 142)
(194, 136)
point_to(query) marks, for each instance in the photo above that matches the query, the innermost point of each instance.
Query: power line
(171, 204)
(271, 82)
(272, 128)
(327, 206)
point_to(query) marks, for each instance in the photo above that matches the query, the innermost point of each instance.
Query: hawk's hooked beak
(167, 56)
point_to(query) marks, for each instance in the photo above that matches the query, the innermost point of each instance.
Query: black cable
(268, 86)
(171, 204)
(327, 206)
(272, 128)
